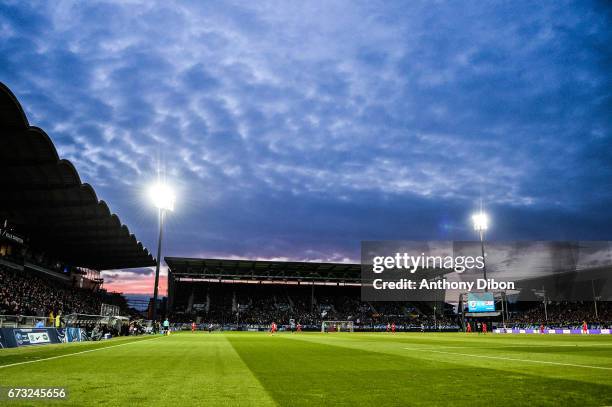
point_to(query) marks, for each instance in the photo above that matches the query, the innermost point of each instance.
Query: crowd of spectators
(245, 305)
(24, 292)
(563, 315)
(260, 305)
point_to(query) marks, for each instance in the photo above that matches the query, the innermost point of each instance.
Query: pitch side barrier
(240, 327)
(21, 330)
(556, 331)
(315, 328)
(20, 337)
(407, 328)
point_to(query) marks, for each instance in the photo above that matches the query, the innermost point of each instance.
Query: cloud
(140, 281)
(297, 130)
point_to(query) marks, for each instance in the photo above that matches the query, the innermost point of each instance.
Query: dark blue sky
(297, 130)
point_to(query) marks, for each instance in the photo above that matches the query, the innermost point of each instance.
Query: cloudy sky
(297, 129)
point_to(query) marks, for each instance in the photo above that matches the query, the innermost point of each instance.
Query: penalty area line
(513, 359)
(75, 353)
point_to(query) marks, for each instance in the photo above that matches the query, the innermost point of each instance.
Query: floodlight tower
(163, 198)
(481, 224)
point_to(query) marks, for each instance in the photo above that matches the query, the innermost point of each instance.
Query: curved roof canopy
(44, 197)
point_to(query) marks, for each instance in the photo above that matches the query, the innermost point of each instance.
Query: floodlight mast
(481, 224)
(163, 198)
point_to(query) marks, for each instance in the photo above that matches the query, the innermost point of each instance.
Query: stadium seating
(563, 315)
(261, 304)
(25, 292)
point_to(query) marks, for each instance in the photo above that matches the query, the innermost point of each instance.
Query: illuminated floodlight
(481, 221)
(162, 196)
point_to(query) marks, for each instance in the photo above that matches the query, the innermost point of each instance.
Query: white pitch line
(75, 353)
(515, 359)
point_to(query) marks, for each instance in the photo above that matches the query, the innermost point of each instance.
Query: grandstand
(247, 294)
(253, 293)
(55, 234)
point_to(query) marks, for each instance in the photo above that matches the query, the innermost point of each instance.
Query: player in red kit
(299, 327)
(585, 327)
(542, 328)
(193, 327)
(273, 328)
(484, 327)
(393, 327)
(468, 328)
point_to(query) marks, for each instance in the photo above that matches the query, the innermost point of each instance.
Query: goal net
(337, 326)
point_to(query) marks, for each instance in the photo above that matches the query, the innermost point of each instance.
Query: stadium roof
(223, 269)
(43, 196)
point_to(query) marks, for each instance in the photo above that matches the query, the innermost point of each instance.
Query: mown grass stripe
(75, 353)
(510, 359)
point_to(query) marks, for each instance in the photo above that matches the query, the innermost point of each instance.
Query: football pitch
(256, 369)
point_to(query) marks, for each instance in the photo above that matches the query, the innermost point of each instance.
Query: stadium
(60, 236)
(526, 322)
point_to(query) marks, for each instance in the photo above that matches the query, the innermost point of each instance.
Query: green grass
(322, 369)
